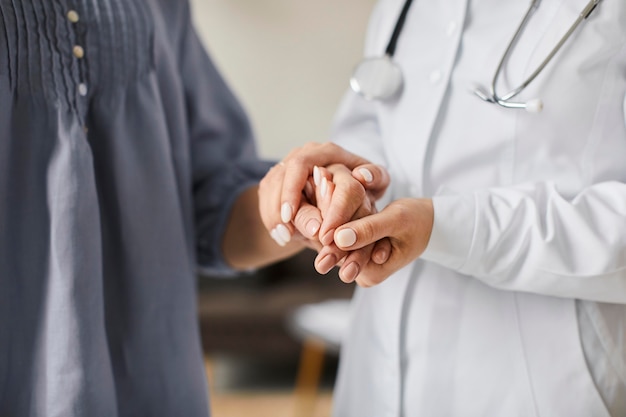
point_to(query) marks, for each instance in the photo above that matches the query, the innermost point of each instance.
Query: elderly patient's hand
(339, 196)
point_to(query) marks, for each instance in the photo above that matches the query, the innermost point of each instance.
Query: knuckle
(367, 230)
(351, 195)
(298, 160)
(331, 146)
(404, 216)
(311, 145)
(356, 190)
(302, 215)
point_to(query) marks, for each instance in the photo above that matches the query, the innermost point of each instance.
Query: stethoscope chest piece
(377, 78)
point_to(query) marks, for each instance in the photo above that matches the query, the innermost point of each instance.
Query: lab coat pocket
(557, 370)
(581, 128)
(604, 342)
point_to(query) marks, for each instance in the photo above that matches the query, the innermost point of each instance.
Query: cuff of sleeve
(214, 201)
(453, 230)
(210, 256)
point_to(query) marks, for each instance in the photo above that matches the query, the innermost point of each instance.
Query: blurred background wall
(289, 61)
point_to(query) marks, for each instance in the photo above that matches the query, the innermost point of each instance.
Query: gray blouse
(121, 151)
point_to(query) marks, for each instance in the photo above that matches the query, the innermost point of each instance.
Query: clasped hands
(324, 196)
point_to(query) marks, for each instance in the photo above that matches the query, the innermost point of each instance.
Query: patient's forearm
(246, 243)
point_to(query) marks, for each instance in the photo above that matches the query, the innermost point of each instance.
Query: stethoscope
(380, 78)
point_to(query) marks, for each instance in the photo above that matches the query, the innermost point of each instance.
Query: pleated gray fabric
(121, 152)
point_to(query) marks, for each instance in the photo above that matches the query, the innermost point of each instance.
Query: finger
(354, 263)
(309, 191)
(282, 233)
(269, 197)
(374, 178)
(324, 189)
(383, 248)
(367, 230)
(347, 198)
(373, 274)
(381, 251)
(308, 220)
(299, 166)
(332, 256)
(329, 257)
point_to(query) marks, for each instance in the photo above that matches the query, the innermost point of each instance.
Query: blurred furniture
(321, 327)
(248, 315)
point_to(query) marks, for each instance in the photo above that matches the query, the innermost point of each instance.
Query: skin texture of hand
(408, 225)
(245, 243)
(281, 191)
(336, 187)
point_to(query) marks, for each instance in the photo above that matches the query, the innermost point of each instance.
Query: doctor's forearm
(531, 238)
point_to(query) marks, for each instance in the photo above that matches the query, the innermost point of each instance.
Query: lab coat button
(451, 29)
(435, 77)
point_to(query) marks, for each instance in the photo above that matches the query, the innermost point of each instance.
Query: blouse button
(82, 89)
(79, 52)
(72, 16)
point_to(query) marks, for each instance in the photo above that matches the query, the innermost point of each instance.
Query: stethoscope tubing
(393, 41)
(589, 8)
(492, 96)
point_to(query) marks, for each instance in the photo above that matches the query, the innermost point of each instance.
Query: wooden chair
(321, 327)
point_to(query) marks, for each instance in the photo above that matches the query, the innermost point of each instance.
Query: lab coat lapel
(409, 126)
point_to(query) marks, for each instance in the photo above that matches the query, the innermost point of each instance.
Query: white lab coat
(518, 305)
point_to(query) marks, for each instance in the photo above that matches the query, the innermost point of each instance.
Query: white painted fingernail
(283, 233)
(316, 175)
(345, 238)
(286, 213)
(324, 187)
(276, 237)
(367, 174)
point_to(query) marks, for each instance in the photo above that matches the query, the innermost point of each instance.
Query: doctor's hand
(408, 225)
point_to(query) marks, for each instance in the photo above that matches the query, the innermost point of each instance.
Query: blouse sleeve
(223, 152)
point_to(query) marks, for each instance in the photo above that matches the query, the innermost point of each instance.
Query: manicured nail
(367, 175)
(312, 227)
(345, 238)
(324, 188)
(380, 256)
(283, 233)
(316, 176)
(328, 237)
(276, 237)
(350, 272)
(327, 263)
(286, 212)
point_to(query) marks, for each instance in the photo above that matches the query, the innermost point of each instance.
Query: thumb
(362, 232)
